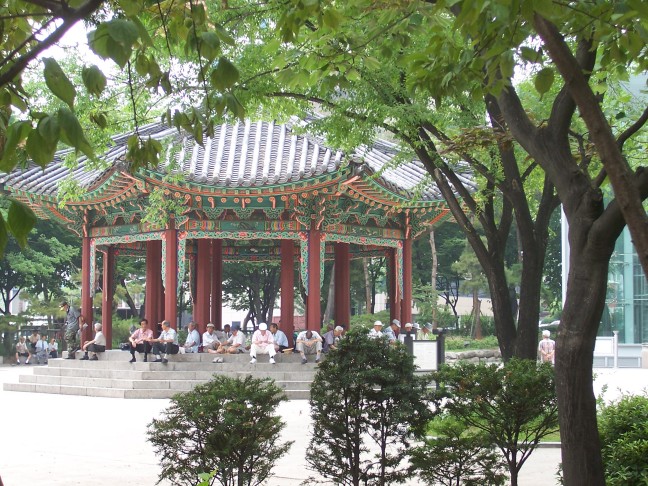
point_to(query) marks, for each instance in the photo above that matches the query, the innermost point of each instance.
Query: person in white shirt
(262, 343)
(235, 344)
(41, 350)
(167, 343)
(376, 331)
(409, 331)
(280, 338)
(97, 345)
(22, 349)
(193, 339)
(309, 342)
(210, 340)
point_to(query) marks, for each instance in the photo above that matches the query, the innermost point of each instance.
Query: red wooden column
(406, 305)
(203, 283)
(86, 291)
(171, 277)
(394, 297)
(153, 283)
(107, 294)
(288, 289)
(217, 284)
(313, 309)
(342, 285)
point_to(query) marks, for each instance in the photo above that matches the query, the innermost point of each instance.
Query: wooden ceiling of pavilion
(247, 172)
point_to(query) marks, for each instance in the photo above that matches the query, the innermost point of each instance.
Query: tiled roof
(243, 155)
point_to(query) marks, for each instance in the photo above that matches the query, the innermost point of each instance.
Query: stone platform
(114, 377)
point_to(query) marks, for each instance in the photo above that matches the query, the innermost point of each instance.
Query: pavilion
(255, 191)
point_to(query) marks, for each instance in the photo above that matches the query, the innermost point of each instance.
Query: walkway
(43, 441)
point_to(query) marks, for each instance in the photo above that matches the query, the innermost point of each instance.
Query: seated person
(409, 331)
(167, 343)
(331, 338)
(193, 339)
(262, 343)
(140, 341)
(53, 348)
(376, 330)
(42, 350)
(391, 331)
(22, 350)
(309, 342)
(225, 334)
(280, 338)
(210, 340)
(97, 345)
(235, 344)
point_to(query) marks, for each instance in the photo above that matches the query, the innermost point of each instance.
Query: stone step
(302, 394)
(183, 365)
(118, 355)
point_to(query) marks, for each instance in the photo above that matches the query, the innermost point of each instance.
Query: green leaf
(143, 34)
(16, 134)
(332, 18)
(21, 220)
(49, 129)
(210, 45)
(94, 80)
(58, 82)
(234, 106)
(225, 75)
(224, 36)
(72, 133)
(4, 235)
(39, 150)
(114, 40)
(543, 80)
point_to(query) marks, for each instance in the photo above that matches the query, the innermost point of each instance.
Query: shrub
(623, 428)
(514, 405)
(366, 404)
(121, 330)
(366, 320)
(458, 343)
(457, 455)
(227, 427)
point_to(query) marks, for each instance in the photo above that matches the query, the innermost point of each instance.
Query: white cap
(263, 327)
(409, 324)
(396, 322)
(378, 323)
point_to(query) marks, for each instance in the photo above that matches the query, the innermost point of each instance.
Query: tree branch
(72, 18)
(631, 130)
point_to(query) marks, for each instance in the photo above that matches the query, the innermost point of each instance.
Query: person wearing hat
(376, 331)
(140, 341)
(262, 343)
(193, 339)
(408, 331)
(71, 327)
(393, 331)
(547, 348)
(235, 343)
(426, 332)
(210, 339)
(167, 343)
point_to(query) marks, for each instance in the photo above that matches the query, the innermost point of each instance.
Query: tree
(366, 404)
(515, 405)
(252, 287)
(226, 426)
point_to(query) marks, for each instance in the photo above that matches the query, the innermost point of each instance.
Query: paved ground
(62, 440)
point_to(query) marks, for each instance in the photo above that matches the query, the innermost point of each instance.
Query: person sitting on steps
(97, 345)
(22, 350)
(309, 342)
(167, 343)
(140, 341)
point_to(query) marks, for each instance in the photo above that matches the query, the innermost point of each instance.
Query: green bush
(366, 405)
(226, 427)
(457, 454)
(514, 405)
(366, 320)
(623, 428)
(459, 343)
(121, 330)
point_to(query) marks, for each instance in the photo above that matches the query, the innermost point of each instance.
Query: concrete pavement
(62, 440)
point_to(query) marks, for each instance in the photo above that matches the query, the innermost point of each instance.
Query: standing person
(193, 339)
(309, 342)
(167, 343)
(140, 341)
(280, 338)
(41, 350)
(71, 327)
(547, 348)
(22, 349)
(262, 343)
(97, 345)
(53, 348)
(210, 340)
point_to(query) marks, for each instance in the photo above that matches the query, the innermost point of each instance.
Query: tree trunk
(477, 314)
(330, 299)
(433, 278)
(129, 298)
(365, 269)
